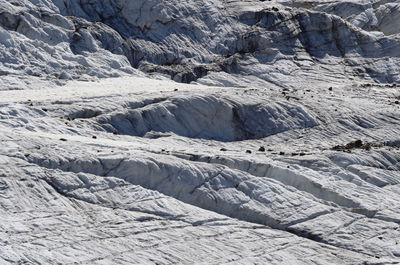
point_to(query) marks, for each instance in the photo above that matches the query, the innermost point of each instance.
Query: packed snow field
(213, 132)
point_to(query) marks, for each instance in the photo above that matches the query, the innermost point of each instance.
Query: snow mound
(37, 41)
(379, 17)
(221, 119)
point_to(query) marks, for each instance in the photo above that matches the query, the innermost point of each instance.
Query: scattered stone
(281, 153)
(94, 137)
(27, 154)
(63, 139)
(223, 149)
(44, 109)
(330, 88)
(248, 151)
(358, 144)
(261, 149)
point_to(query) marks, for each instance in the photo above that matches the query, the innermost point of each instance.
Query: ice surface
(283, 149)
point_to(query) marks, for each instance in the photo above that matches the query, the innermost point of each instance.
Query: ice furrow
(265, 170)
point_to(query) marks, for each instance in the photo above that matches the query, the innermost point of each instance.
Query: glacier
(199, 132)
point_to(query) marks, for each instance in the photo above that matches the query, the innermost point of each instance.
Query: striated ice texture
(199, 132)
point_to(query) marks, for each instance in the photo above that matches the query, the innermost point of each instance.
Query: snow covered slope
(196, 40)
(284, 149)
